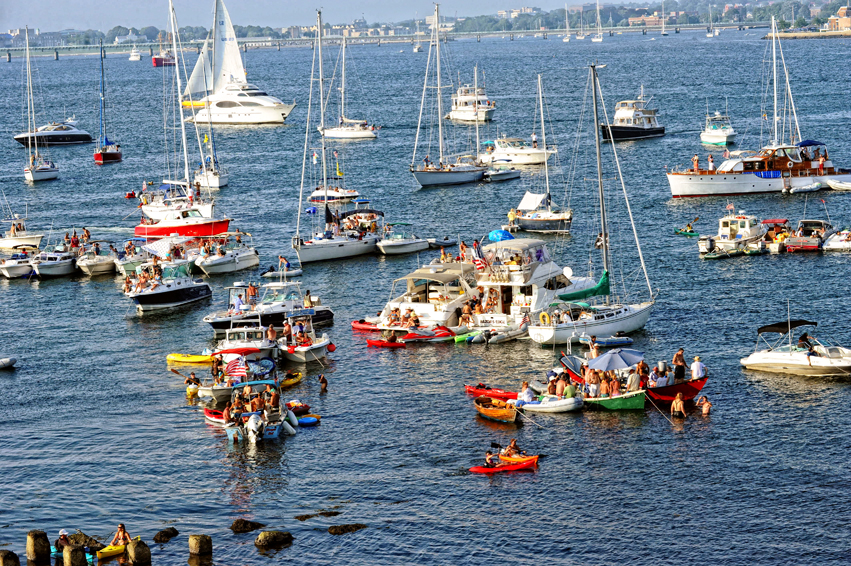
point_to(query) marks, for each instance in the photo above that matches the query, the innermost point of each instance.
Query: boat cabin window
(557, 282)
(791, 153)
(249, 103)
(257, 93)
(227, 104)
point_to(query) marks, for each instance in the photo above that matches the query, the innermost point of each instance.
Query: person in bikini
(121, 536)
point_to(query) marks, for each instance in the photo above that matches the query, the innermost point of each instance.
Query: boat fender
(291, 349)
(291, 418)
(545, 319)
(287, 428)
(332, 347)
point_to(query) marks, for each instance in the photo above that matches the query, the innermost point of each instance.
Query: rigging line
(646, 396)
(626, 198)
(306, 143)
(422, 105)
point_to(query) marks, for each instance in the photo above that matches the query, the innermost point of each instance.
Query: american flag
(236, 368)
(525, 319)
(478, 259)
(730, 206)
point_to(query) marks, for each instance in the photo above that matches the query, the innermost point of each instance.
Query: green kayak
(684, 232)
(723, 254)
(463, 337)
(627, 402)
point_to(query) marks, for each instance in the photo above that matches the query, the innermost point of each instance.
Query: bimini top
(776, 221)
(517, 244)
(808, 143)
(360, 211)
(785, 326)
(443, 273)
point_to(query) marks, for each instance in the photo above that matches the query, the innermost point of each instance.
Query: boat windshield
(176, 271)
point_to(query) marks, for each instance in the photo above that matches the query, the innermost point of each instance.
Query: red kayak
(365, 326)
(668, 393)
(439, 333)
(384, 344)
(527, 465)
(482, 390)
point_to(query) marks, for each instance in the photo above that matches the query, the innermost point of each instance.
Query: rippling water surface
(96, 430)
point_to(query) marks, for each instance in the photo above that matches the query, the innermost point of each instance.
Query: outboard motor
(254, 428)
(706, 244)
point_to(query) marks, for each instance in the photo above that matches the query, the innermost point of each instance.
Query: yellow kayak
(113, 550)
(189, 359)
(291, 381)
(193, 103)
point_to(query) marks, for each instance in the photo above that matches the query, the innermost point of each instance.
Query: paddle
(696, 218)
(172, 370)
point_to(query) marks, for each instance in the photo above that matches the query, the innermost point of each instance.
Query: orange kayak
(519, 459)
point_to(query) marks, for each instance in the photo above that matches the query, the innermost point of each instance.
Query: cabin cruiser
(468, 101)
(163, 59)
(633, 120)
(135, 54)
(55, 133)
(396, 241)
(515, 151)
(535, 213)
(735, 231)
(173, 195)
(18, 265)
(58, 262)
(825, 358)
(241, 103)
(809, 236)
(17, 235)
(718, 130)
(176, 288)
(96, 261)
(304, 345)
(279, 301)
(333, 195)
(232, 255)
(188, 222)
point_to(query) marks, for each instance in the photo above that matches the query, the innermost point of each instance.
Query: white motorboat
(444, 242)
(17, 236)
(234, 255)
(568, 321)
(515, 151)
(776, 167)
(18, 265)
(465, 169)
(39, 167)
(131, 257)
(332, 195)
(7, 363)
(633, 120)
(837, 242)
(554, 404)
(718, 130)
(171, 196)
(400, 242)
(218, 86)
(176, 288)
(735, 230)
(347, 128)
(499, 173)
(471, 104)
(135, 54)
(247, 333)
(304, 347)
(58, 262)
(96, 261)
(809, 236)
(826, 358)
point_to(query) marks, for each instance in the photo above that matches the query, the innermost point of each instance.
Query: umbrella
(499, 235)
(619, 358)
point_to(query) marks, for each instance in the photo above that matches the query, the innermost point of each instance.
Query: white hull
(718, 138)
(839, 242)
(726, 183)
(561, 333)
(435, 178)
(552, 404)
(391, 247)
(61, 268)
(240, 116)
(40, 174)
(305, 354)
(106, 265)
(796, 363)
(10, 243)
(211, 180)
(12, 269)
(338, 248)
(469, 115)
(350, 133)
(234, 260)
(159, 211)
(128, 266)
(531, 157)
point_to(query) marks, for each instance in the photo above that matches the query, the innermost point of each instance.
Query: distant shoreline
(811, 35)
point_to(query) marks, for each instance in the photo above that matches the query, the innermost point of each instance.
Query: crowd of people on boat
(251, 401)
(407, 320)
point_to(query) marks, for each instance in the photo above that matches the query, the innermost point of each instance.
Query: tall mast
(774, 66)
(102, 127)
(476, 106)
(343, 84)
(321, 102)
(436, 37)
(173, 22)
(603, 223)
(544, 141)
(30, 108)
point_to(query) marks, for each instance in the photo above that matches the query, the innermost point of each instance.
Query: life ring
(789, 165)
(545, 319)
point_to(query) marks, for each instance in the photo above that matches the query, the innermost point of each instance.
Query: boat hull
(350, 133)
(97, 268)
(553, 404)
(727, 183)
(573, 331)
(437, 178)
(391, 247)
(13, 242)
(545, 223)
(211, 228)
(627, 402)
(531, 157)
(45, 174)
(211, 180)
(668, 393)
(62, 268)
(173, 295)
(42, 139)
(469, 115)
(241, 116)
(305, 354)
(796, 363)
(231, 262)
(102, 157)
(12, 269)
(158, 61)
(495, 410)
(626, 133)
(334, 249)
(715, 138)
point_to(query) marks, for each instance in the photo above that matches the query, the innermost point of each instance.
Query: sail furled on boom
(603, 287)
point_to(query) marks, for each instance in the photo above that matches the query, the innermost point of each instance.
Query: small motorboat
(384, 344)
(176, 289)
(633, 401)
(398, 242)
(233, 255)
(786, 356)
(527, 465)
(308, 347)
(18, 265)
(501, 173)
(96, 261)
(7, 363)
(135, 54)
(445, 242)
(17, 237)
(57, 263)
(482, 390)
(840, 241)
(838, 185)
(813, 233)
(333, 195)
(278, 273)
(64, 132)
(553, 404)
(495, 409)
(608, 341)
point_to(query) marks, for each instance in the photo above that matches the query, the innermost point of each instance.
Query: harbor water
(97, 431)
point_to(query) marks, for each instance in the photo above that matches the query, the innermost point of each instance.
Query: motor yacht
(176, 288)
(232, 255)
(64, 132)
(135, 54)
(633, 120)
(181, 223)
(471, 104)
(735, 231)
(784, 356)
(58, 262)
(718, 130)
(333, 194)
(277, 302)
(242, 104)
(515, 151)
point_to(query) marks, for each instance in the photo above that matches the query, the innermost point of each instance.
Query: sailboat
(347, 128)
(218, 82)
(581, 34)
(535, 213)
(664, 19)
(598, 38)
(711, 32)
(570, 320)
(466, 169)
(418, 46)
(38, 167)
(330, 242)
(566, 38)
(106, 151)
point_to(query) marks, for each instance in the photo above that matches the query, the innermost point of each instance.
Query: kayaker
(705, 405)
(678, 409)
(323, 383)
(192, 380)
(512, 449)
(392, 339)
(62, 541)
(492, 460)
(121, 536)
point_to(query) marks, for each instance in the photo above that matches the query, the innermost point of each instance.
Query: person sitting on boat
(492, 460)
(128, 284)
(804, 341)
(593, 381)
(525, 395)
(158, 280)
(445, 257)
(62, 541)
(551, 386)
(569, 390)
(302, 339)
(227, 413)
(394, 319)
(192, 380)
(810, 353)
(698, 369)
(678, 409)
(413, 322)
(561, 384)
(406, 317)
(283, 261)
(705, 405)
(121, 536)
(257, 404)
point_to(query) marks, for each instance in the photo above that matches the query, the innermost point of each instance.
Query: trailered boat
(633, 120)
(784, 356)
(106, 151)
(735, 230)
(776, 167)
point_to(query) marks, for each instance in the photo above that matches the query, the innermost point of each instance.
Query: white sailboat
(330, 242)
(581, 34)
(218, 82)
(347, 128)
(570, 320)
(418, 46)
(664, 20)
(38, 167)
(566, 37)
(598, 38)
(465, 169)
(711, 32)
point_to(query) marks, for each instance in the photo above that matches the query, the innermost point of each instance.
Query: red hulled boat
(483, 390)
(108, 154)
(164, 59)
(668, 393)
(188, 223)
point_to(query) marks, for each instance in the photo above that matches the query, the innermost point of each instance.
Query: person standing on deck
(679, 364)
(695, 162)
(698, 370)
(534, 140)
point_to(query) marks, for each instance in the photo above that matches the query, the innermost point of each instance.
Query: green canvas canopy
(601, 288)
